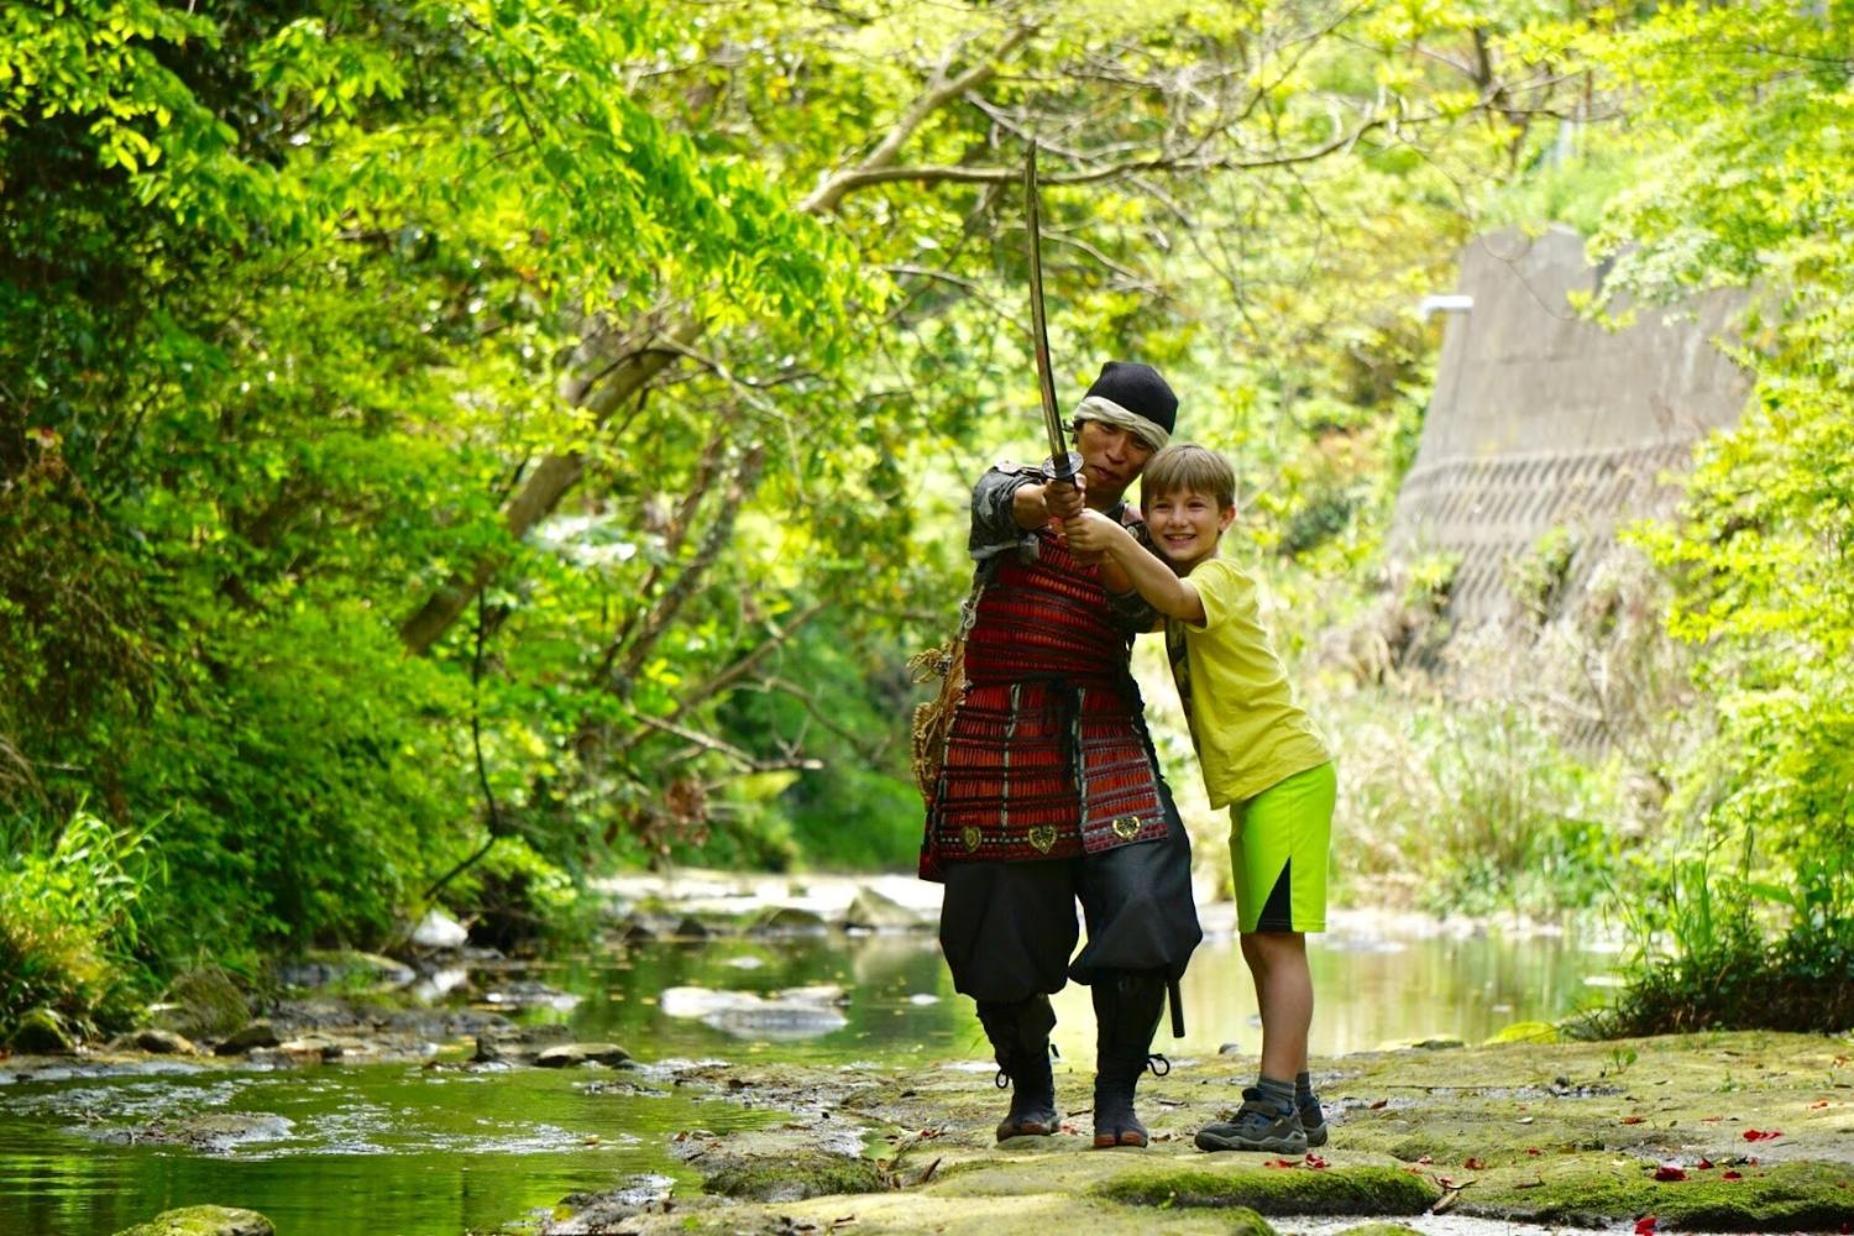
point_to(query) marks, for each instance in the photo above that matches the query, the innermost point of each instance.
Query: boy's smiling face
(1185, 526)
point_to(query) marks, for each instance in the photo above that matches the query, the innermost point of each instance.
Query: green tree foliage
(435, 428)
(1737, 124)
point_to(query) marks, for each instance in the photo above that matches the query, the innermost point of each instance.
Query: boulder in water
(438, 930)
(259, 1033)
(878, 912)
(204, 1221)
(567, 1055)
(789, 921)
(162, 1043)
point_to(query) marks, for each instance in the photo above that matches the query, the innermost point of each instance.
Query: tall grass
(68, 931)
(1470, 806)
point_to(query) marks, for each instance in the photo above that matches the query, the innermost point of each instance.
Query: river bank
(1730, 1132)
(1717, 1132)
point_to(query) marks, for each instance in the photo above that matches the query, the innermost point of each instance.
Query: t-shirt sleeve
(1224, 590)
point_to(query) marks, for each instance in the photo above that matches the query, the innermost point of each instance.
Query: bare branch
(940, 91)
(710, 743)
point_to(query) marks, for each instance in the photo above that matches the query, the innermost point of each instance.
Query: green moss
(1246, 1222)
(1589, 1192)
(1381, 1229)
(204, 1221)
(1526, 1032)
(209, 1004)
(1282, 1191)
(781, 1178)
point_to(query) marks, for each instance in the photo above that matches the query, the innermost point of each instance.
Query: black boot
(1126, 1011)
(1019, 1034)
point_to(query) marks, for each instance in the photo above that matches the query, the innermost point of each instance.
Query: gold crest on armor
(971, 836)
(1126, 827)
(1043, 837)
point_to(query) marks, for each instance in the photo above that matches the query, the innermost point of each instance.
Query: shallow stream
(342, 1148)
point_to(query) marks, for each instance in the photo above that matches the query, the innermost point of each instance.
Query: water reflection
(1372, 990)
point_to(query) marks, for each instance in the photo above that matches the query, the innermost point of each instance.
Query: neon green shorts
(1278, 842)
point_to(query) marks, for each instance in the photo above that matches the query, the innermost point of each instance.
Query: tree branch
(710, 743)
(940, 91)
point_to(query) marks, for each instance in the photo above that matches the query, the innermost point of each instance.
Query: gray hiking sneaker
(1256, 1125)
(1313, 1121)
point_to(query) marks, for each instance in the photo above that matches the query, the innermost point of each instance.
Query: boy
(1259, 754)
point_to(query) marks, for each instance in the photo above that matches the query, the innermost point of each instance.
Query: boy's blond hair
(1185, 467)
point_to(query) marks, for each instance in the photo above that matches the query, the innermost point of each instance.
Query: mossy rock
(1246, 1222)
(1381, 1229)
(789, 921)
(204, 1003)
(1590, 1191)
(1282, 1191)
(791, 1178)
(41, 1032)
(1526, 1032)
(204, 1221)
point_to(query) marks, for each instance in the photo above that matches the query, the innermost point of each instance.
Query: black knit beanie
(1140, 390)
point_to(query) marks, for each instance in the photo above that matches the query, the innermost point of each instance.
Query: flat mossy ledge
(787, 1178)
(1585, 1191)
(1296, 1190)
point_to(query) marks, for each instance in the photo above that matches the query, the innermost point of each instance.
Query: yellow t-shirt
(1248, 731)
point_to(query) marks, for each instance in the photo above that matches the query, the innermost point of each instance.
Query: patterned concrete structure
(1540, 420)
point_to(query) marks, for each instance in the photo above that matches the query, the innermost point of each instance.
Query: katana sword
(1062, 468)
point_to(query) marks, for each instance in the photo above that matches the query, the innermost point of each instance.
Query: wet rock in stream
(204, 1221)
(207, 1132)
(593, 1214)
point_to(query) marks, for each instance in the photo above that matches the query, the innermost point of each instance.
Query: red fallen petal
(1667, 1171)
(1380, 1104)
(1645, 1225)
(1731, 1176)
(1315, 1162)
(1475, 1165)
(1634, 1119)
(1762, 1135)
(1705, 1164)
(1445, 1181)
(1534, 1151)
(1280, 1163)
(1818, 1106)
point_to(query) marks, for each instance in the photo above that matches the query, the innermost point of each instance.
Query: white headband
(1097, 408)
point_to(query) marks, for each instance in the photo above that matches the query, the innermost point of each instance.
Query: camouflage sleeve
(994, 527)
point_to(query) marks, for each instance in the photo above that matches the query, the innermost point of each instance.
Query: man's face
(1112, 458)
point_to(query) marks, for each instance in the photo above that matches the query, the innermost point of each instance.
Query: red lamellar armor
(1046, 756)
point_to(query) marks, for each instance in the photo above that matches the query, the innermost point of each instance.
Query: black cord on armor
(1154, 1060)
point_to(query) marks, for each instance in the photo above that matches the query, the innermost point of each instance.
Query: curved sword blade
(1039, 326)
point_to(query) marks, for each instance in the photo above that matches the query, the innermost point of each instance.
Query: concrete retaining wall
(1540, 420)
